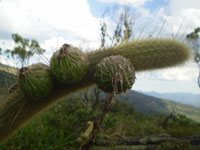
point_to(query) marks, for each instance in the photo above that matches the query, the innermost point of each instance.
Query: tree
(24, 50)
(194, 38)
(103, 34)
(123, 30)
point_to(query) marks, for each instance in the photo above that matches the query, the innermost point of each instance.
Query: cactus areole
(69, 64)
(35, 80)
(115, 69)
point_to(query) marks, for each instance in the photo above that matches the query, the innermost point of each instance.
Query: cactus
(144, 55)
(36, 80)
(115, 67)
(68, 64)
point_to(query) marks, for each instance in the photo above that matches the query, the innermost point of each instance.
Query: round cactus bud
(36, 80)
(69, 64)
(115, 72)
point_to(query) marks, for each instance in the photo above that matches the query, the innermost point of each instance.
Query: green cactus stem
(144, 55)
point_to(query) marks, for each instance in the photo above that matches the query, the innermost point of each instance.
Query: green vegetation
(7, 78)
(149, 105)
(8, 69)
(61, 126)
(24, 50)
(194, 38)
(174, 146)
(190, 112)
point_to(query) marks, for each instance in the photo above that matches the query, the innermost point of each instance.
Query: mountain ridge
(184, 98)
(150, 105)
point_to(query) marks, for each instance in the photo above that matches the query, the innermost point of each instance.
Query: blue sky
(156, 5)
(78, 22)
(97, 8)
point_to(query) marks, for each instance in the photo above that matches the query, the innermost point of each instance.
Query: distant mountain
(151, 105)
(7, 77)
(185, 98)
(8, 69)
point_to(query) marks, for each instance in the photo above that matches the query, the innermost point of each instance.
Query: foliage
(123, 30)
(194, 37)
(103, 34)
(6, 80)
(56, 129)
(180, 126)
(60, 126)
(149, 105)
(24, 50)
(174, 146)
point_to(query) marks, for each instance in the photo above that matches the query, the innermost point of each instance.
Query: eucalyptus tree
(24, 49)
(195, 40)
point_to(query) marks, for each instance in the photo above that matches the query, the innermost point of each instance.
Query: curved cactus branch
(16, 109)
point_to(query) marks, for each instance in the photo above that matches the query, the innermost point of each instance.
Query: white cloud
(176, 79)
(51, 22)
(43, 20)
(185, 12)
(6, 62)
(187, 73)
(182, 11)
(134, 3)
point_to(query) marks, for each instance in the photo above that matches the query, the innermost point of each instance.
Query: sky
(55, 22)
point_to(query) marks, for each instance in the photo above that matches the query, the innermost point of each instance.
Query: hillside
(185, 98)
(7, 77)
(152, 105)
(8, 69)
